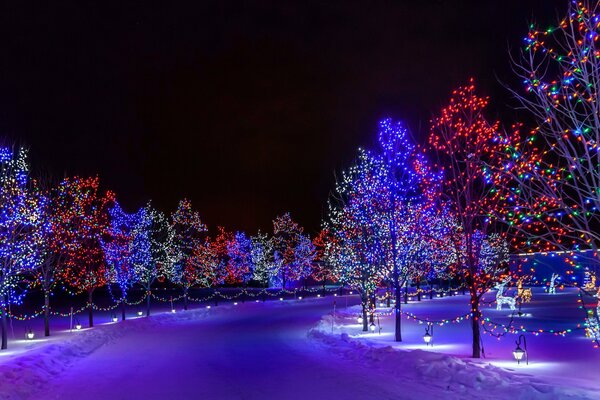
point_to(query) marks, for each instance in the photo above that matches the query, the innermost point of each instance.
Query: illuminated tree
(160, 242)
(292, 251)
(128, 249)
(557, 164)
(402, 200)
(322, 269)
(220, 245)
(21, 229)
(468, 146)
(55, 238)
(354, 247)
(240, 267)
(186, 233)
(262, 259)
(87, 220)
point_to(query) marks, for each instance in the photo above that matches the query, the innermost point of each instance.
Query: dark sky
(245, 108)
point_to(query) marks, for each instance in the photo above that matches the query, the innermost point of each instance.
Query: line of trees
(396, 216)
(73, 233)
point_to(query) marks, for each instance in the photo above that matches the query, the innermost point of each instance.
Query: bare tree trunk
(475, 325)
(185, 298)
(90, 307)
(398, 316)
(418, 288)
(123, 309)
(365, 317)
(4, 329)
(46, 313)
(148, 295)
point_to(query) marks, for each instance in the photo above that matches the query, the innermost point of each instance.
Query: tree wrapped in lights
(557, 164)
(469, 147)
(322, 269)
(86, 218)
(261, 255)
(403, 202)
(186, 233)
(160, 242)
(21, 227)
(55, 238)
(292, 250)
(128, 249)
(240, 267)
(354, 247)
(221, 244)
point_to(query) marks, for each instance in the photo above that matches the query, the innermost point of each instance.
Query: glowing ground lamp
(173, 310)
(372, 326)
(359, 319)
(30, 335)
(140, 313)
(235, 303)
(114, 318)
(518, 353)
(77, 325)
(428, 336)
(299, 297)
(281, 299)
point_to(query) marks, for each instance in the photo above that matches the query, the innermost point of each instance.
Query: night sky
(245, 108)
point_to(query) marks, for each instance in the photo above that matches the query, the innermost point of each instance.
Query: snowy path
(252, 351)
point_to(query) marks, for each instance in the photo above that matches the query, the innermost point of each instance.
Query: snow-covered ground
(273, 350)
(559, 366)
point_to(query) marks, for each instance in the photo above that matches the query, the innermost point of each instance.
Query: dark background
(246, 108)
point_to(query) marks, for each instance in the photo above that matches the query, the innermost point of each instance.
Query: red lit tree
(468, 147)
(322, 269)
(86, 217)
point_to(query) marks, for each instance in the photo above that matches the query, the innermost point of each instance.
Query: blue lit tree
(127, 249)
(21, 230)
(240, 267)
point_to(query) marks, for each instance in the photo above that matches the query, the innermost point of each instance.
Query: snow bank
(458, 378)
(25, 374)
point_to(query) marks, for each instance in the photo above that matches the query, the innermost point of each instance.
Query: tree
(404, 196)
(557, 164)
(468, 147)
(292, 250)
(160, 242)
(186, 233)
(355, 249)
(240, 267)
(87, 220)
(55, 238)
(128, 249)
(322, 269)
(21, 229)
(262, 258)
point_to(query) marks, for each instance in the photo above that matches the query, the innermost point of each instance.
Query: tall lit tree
(354, 246)
(186, 233)
(87, 220)
(557, 164)
(21, 227)
(240, 267)
(292, 251)
(468, 145)
(262, 259)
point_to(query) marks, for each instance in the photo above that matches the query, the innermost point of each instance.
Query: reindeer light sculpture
(501, 299)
